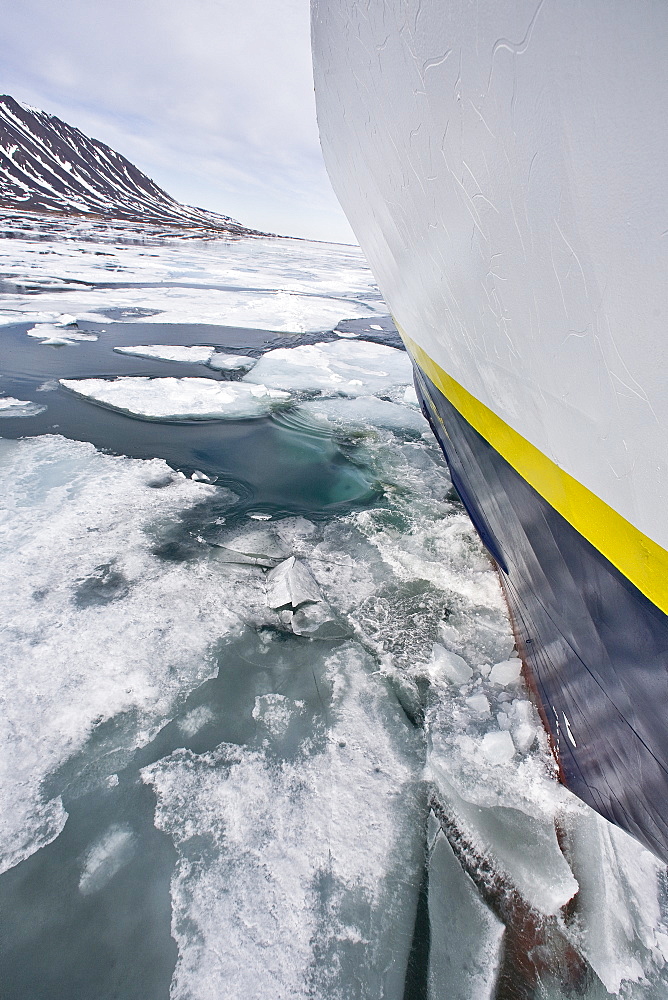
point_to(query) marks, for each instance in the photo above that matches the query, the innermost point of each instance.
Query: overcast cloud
(211, 98)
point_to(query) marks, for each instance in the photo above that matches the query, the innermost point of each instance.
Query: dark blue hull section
(596, 649)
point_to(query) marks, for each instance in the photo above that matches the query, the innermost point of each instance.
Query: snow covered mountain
(47, 165)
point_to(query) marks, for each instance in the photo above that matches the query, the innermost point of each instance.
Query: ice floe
(178, 398)
(351, 368)
(11, 407)
(166, 352)
(60, 334)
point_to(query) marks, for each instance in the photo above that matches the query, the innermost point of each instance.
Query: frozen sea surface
(265, 733)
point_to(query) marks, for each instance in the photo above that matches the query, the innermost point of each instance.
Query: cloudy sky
(211, 98)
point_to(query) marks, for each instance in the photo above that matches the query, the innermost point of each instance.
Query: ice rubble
(351, 368)
(96, 626)
(309, 869)
(406, 576)
(178, 398)
(487, 761)
(11, 407)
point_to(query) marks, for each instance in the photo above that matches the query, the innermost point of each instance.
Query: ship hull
(507, 187)
(595, 648)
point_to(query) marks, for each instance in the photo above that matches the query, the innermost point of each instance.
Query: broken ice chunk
(498, 747)
(291, 583)
(252, 548)
(465, 935)
(524, 727)
(478, 703)
(319, 621)
(524, 736)
(452, 666)
(507, 672)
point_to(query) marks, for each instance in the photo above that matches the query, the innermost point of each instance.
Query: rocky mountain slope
(47, 165)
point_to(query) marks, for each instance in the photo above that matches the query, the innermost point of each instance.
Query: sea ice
(254, 547)
(165, 352)
(311, 866)
(498, 747)
(11, 407)
(59, 334)
(444, 663)
(465, 937)
(351, 368)
(291, 583)
(505, 673)
(366, 412)
(319, 621)
(178, 398)
(521, 845)
(231, 362)
(114, 849)
(96, 626)
(618, 920)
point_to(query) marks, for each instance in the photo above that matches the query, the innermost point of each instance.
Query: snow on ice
(178, 398)
(164, 352)
(352, 368)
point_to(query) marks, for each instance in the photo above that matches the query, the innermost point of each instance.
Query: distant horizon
(215, 104)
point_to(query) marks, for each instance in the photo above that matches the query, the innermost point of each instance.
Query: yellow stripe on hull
(640, 559)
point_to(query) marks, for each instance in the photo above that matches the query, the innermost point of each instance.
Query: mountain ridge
(49, 166)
